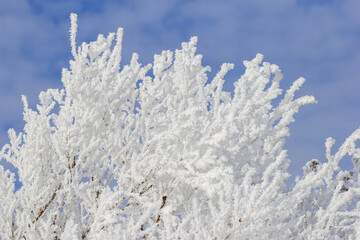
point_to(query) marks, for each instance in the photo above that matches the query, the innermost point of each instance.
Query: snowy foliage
(161, 152)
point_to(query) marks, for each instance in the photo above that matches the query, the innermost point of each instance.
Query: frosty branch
(162, 152)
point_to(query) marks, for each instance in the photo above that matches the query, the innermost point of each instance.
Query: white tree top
(162, 152)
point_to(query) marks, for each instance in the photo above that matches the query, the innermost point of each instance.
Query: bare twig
(162, 205)
(144, 191)
(43, 209)
(164, 201)
(118, 204)
(135, 189)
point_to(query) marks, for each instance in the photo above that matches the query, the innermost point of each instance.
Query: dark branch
(43, 209)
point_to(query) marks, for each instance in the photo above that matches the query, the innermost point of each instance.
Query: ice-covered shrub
(161, 152)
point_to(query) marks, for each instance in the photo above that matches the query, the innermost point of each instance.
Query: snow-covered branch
(162, 152)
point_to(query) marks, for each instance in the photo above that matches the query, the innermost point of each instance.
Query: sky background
(316, 39)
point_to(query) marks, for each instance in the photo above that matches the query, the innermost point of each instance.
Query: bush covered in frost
(161, 152)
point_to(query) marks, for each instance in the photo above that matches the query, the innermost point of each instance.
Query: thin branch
(118, 204)
(164, 201)
(43, 209)
(136, 188)
(144, 191)
(162, 205)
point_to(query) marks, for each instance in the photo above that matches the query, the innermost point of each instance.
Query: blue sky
(315, 39)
